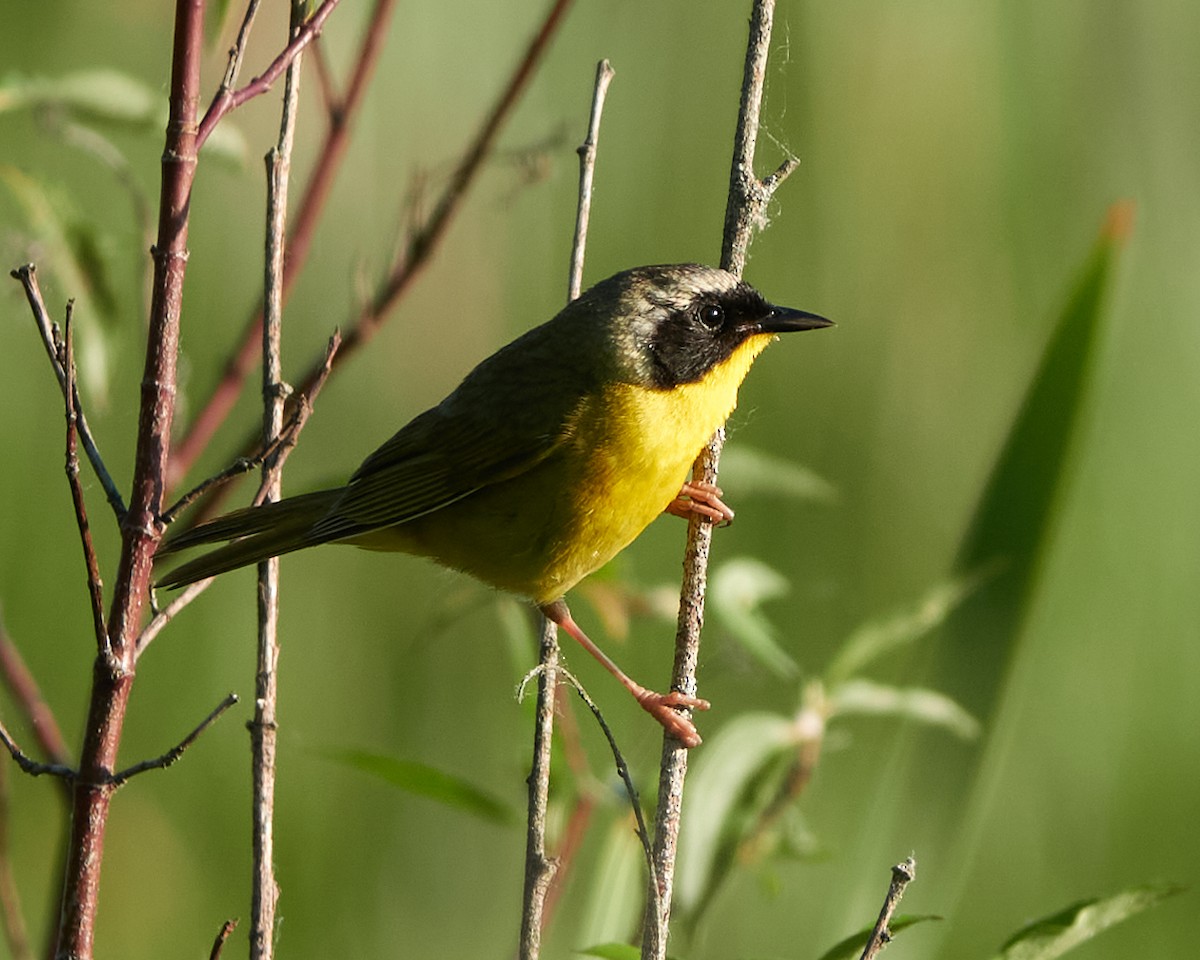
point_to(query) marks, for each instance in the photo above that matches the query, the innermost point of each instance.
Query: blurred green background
(957, 164)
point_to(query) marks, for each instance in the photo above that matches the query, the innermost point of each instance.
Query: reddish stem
(112, 676)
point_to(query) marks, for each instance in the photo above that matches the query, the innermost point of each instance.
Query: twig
(303, 228)
(28, 764)
(587, 170)
(227, 100)
(424, 242)
(903, 874)
(539, 870)
(27, 275)
(25, 691)
(169, 613)
(112, 677)
(223, 934)
(95, 587)
(747, 196)
(237, 52)
(167, 759)
(264, 727)
(15, 931)
(622, 771)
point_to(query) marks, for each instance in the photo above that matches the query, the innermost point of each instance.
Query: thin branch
(28, 764)
(539, 870)
(95, 587)
(264, 727)
(237, 53)
(27, 275)
(112, 677)
(170, 612)
(622, 771)
(24, 689)
(223, 934)
(903, 874)
(303, 228)
(747, 196)
(167, 759)
(424, 242)
(227, 100)
(587, 171)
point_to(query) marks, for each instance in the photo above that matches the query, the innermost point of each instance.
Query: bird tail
(258, 533)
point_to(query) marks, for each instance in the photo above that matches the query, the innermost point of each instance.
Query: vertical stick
(747, 197)
(264, 726)
(539, 869)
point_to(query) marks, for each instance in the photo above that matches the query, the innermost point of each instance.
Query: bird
(550, 457)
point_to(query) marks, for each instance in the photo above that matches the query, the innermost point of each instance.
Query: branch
(227, 100)
(747, 195)
(539, 870)
(223, 934)
(29, 765)
(95, 587)
(903, 874)
(27, 275)
(167, 759)
(264, 726)
(337, 138)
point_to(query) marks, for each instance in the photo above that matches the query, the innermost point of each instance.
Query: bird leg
(659, 705)
(703, 499)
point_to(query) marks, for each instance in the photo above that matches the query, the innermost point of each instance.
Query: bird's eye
(711, 315)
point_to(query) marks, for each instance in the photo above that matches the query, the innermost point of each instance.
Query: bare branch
(539, 870)
(29, 765)
(237, 52)
(903, 874)
(227, 100)
(747, 196)
(587, 171)
(223, 934)
(95, 587)
(177, 751)
(27, 275)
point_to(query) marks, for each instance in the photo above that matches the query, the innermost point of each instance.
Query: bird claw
(698, 498)
(662, 707)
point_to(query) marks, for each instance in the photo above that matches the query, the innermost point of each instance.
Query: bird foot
(698, 498)
(661, 706)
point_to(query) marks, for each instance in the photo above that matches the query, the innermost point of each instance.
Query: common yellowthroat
(551, 456)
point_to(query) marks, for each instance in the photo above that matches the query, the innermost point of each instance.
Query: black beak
(785, 320)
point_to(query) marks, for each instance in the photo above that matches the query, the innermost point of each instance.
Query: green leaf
(616, 888)
(1053, 936)
(914, 703)
(1019, 506)
(714, 817)
(109, 97)
(429, 782)
(736, 590)
(750, 471)
(852, 947)
(50, 221)
(878, 637)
